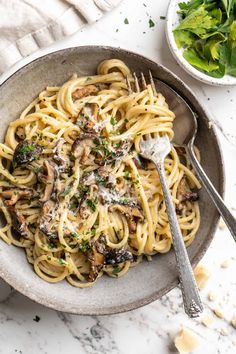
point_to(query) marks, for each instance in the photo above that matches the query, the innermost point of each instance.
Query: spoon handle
(216, 198)
(191, 298)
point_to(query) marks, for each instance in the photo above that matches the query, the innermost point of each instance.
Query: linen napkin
(27, 25)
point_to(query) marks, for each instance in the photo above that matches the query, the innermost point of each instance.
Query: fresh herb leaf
(65, 192)
(116, 270)
(126, 21)
(84, 246)
(62, 261)
(113, 121)
(92, 204)
(151, 23)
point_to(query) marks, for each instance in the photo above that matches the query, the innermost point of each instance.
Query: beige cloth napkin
(27, 25)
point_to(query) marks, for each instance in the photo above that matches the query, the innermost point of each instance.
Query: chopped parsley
(92, 204)
(65, 192)
(151, 23)
(88, 78)
(126, 120)
(162, 17)
(51, 245)
(127, 175)
(75, 235)
(93, 232)
(116, 270)
(126, 21)
(62, 261)
(113, 121)
(84, 246)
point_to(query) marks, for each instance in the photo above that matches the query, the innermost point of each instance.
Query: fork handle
(216, 198)
(191, 298)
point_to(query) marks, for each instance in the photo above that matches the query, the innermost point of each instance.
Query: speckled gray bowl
(148, 281)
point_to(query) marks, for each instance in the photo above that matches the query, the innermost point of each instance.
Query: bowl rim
(26, 291)
(226, 80)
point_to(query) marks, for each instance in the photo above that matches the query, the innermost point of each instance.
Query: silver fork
(156, 149)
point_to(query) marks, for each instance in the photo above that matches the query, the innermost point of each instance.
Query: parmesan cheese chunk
(207, 320)
(186, 341)
(233, 321)
(218, 312)
(202, 275)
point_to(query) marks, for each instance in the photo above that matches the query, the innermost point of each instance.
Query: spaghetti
(74, 191)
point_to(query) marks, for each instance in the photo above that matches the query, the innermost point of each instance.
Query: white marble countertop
(26, 327)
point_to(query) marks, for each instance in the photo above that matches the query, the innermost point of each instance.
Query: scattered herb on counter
(126, 21)
(36, 319)
(151, 23)
(207, 32)
(162, 17)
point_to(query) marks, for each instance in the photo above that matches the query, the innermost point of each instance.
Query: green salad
(207, 32)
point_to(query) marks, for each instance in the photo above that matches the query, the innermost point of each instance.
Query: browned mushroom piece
(82, 147)
(12, 195)
(25, 152)
(132, 213)
(49, 180)
(96, 258)
(45, 222)
(117, 255)
(184, 193)
(87, 118)
(90, 90)
(18, 222)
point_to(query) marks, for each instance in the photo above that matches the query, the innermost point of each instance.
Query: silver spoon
(156, 149)
(185, 128)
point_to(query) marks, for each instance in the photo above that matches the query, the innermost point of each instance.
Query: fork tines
(143, 83)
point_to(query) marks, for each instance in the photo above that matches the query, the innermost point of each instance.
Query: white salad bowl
(172, 22)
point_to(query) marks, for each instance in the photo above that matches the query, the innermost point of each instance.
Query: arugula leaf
(186, 8)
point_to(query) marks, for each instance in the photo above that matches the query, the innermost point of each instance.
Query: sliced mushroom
(62, 161)
(25, 152)
(49, 180)
(82, 147)
(87, 118)
(96, 258)
(18, 222)
(14, 194)
(85, 91)
(20, 132)
(184, 193)
(132, 213)
(45, 222)
(117, 255)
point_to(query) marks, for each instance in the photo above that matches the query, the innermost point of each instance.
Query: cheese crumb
(212, 296)
(225, 264)
(186, 341)
(222, 225)
(233, 321)
(202, 275)
(218, 312)
(224, 332)
(207, 320)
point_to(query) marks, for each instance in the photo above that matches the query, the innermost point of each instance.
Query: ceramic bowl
(172, 22)
(149, 280)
